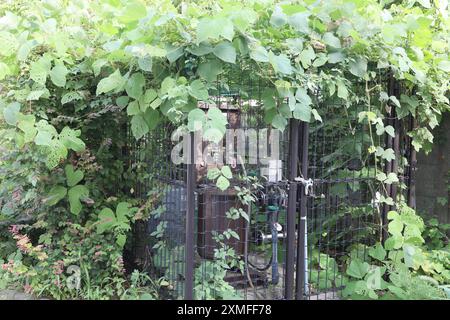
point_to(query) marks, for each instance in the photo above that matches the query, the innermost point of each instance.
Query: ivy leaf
(300, 22)
(11, 113)
(121, 240)
(210, 70)
(4, 70)
(200, 50)
(302, 96)
(196, 119)
(75, 194)
(135, 85)
(388, 154)
(395, 101)
(139, 126)
(173, 53)
(151, 117)
(306, 56)
(358, 66)
(444, 65)
(214, 28)
(213, 134)
(58, 75)
(133, 11)
(43, 138)
(73, 177)
(342, 91)
(145, 63)
(55, 195)
(331, 40)
(39, 70)
(106, 220)
(302, 112)
(377, 252)
(133, 108)
(26, 124)
(97, 66)
(70, 96)
(226, 171)
(279, 122)
(395, 227)
(280, 63)
(321, 60)
(390, 131)
(222, 183)
(358, 269)
(122, 212)
(316, 115)
(278, 18)
(391, 178)
(336, 57)
(198, 90)
(110, 83)
(213, 173)
(225, 51)
(9, 43)
(259, 53)
(70, 140)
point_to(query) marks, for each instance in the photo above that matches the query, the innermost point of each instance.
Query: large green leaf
(280, 63)
(70, 139)
(135, 85)
(213, 28)
(225, 51)
(26, 125)
(196, 119)
(139, 126)
(279, 122)
(106, 220)
(40, 70)
(306, 56)
(55, 195)
(11, 113)
(73, 176)
(358, 66)
(58, 75)
(110, 83)
(259, 53)
(358, 269)
(198, 90)
(75, 195)
(302, 112)
(210, 69)
(378, 252)
(331, 40)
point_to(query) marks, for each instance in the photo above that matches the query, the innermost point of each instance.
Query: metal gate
(311, 209)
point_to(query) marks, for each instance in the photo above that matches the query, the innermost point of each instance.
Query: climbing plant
(75, 74)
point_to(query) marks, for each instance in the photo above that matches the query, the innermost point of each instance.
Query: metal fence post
(190, 220)
(301, 246)
(291, 212)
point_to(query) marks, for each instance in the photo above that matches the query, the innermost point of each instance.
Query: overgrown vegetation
(76, 74)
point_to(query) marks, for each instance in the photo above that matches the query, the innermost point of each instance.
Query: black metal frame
(302, 244)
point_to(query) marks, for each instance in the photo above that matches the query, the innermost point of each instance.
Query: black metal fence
(303, 217)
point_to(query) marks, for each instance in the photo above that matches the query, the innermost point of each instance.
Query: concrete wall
(432, 176)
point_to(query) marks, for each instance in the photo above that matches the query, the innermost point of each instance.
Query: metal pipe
(291, 211)
(302, 254)
(190, 220)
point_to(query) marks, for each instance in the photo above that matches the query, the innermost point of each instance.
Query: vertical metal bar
(301, 247)
(412, 168)
(190, 220)
(291, 212)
